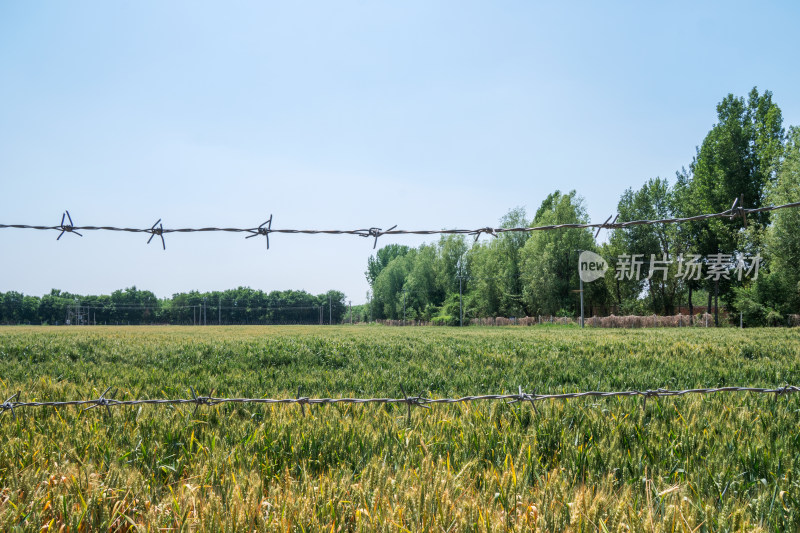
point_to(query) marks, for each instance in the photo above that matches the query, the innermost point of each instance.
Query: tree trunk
(691, 307)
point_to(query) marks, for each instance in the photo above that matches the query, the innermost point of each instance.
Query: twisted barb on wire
(102, 401)
(374, 232)
(8, 405)
(109, 401)
(261, 230)
(737, 210)
(157, 231)
(66, 228)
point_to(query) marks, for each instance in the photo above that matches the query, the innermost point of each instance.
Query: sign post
(581, 302)
(590, 267)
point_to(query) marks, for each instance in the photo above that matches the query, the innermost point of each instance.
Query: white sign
(591, 266)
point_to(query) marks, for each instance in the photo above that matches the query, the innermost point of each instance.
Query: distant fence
(490, 321)
(653, 321)
(631, 321)
(523, 321)
(405, 323)
(702, 320)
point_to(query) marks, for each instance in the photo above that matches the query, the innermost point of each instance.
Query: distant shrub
(445, 320)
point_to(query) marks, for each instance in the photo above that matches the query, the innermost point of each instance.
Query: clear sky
(344, 115)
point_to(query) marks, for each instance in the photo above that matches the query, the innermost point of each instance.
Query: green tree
(384, 256)
(776, 292)
(53, 306)
(496, 284)
(485, 285)
(387, 295)
(508, 260)
(738, 157)
(451, 263)
(783, 237)
(549, 258)
(422, 291)
(334, 306)
(655, 200)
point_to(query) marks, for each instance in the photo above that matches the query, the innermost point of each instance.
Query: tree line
(134, 306)
(747, 155)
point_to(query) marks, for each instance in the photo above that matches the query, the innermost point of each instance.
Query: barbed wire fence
(107, 400)
(265, 229)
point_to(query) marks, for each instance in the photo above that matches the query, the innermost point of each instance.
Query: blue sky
(344, 115)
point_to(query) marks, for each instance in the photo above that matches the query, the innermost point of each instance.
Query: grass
(725, 462)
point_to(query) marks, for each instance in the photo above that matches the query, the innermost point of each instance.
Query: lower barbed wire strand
(415, 400)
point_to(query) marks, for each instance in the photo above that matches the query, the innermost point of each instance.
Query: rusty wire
(265, 229)
(107, 400)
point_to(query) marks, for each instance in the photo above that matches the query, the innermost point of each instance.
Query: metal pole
(741, 323)
(219, 310)
(460, 302)
(330, 311)
(404, 307)
(350, 303)
(205, 316)
(581, 283)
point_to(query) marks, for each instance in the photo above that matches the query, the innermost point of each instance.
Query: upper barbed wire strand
(375, 232)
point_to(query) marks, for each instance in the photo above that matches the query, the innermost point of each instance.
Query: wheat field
(722, 462)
